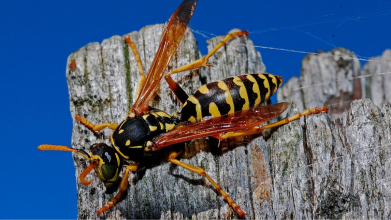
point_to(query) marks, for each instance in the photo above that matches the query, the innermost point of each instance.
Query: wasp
(227, 108)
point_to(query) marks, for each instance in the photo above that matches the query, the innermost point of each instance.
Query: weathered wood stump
(323, 169)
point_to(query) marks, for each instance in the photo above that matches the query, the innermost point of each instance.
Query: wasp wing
(171, 37)
(226, 123)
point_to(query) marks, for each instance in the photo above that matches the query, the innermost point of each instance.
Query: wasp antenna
(64, 148)
(54, 147)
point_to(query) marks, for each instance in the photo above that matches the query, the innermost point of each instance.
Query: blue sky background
(36, 38)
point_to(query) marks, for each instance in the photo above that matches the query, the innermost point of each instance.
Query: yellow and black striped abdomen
(229, 95)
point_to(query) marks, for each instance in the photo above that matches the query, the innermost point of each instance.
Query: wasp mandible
(227, 108)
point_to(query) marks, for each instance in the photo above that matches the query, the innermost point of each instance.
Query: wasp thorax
(109, 162)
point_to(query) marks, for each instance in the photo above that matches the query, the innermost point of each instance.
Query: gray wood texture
(326, 78)
(323, 169)
(377, 75)
(336, 78)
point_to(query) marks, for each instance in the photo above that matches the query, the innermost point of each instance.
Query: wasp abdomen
(229, 95)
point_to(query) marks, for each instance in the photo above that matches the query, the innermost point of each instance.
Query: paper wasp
(222, 109)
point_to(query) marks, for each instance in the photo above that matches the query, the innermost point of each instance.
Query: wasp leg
(122, 188)
(97, 127)
(259, 129)
(140, 65)
(232, 203)
(204, 60)
(178, 91)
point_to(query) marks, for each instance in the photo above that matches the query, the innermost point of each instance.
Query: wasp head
(106, 163)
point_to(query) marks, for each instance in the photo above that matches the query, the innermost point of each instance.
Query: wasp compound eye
(110, 168)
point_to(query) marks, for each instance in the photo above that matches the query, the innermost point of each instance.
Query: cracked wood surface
(323, 169)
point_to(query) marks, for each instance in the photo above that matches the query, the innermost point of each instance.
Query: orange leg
(122, 188)
(258, 129)
(140, 65)
(178, 91)
(97, 127)
(232, 203)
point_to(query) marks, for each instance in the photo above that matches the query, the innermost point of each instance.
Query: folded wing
(240, 120)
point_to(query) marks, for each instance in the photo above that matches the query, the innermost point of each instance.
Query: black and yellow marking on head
(102, 170)
(98, 158)
(109, 162)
